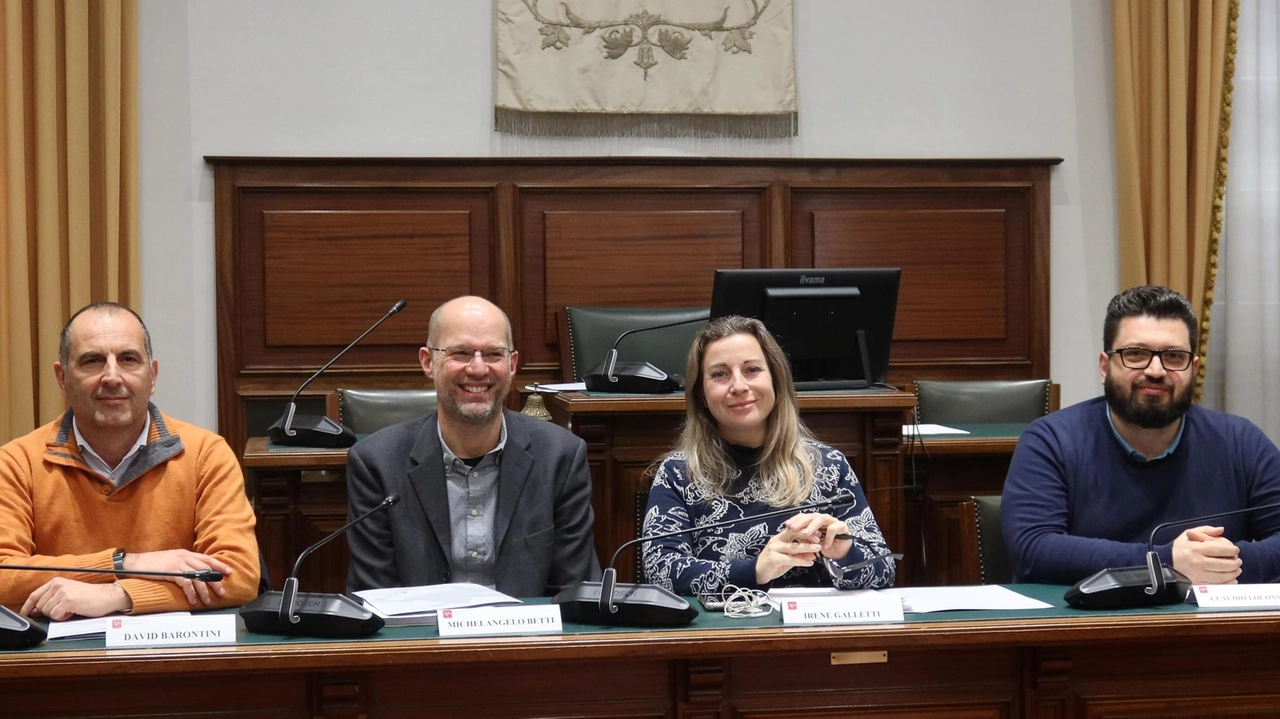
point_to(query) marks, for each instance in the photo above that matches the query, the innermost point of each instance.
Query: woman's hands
(802, 538)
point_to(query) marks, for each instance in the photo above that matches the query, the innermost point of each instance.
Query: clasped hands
(1206, 557)
(802, 538)
(61, 598)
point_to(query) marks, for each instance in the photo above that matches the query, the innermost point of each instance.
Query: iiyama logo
(807, 280)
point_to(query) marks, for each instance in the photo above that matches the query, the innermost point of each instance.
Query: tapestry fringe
(599, 124)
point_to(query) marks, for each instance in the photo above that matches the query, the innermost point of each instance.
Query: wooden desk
(1066, 665)
(626, 434)
(299, 496)
(948, 469)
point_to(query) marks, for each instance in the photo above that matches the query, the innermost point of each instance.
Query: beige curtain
(1173, 65)
(68, 186)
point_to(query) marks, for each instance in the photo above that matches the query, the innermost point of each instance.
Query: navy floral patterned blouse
(704, 561)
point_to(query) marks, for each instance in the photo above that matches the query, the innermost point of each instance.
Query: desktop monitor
(835, 325)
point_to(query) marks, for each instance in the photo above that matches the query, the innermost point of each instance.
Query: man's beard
(1130, 407)
(470, 412)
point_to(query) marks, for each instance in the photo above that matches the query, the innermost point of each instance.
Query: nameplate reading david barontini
(862, 607)
(492, 621)
(168, 630)
(1237, 596)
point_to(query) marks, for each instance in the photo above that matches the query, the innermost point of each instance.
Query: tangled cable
(743, 603)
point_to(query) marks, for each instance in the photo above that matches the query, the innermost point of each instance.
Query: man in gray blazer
(489, 496)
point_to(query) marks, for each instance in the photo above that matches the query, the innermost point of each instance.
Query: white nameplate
(864, 607)
(488, 621)
(161, 630)
(1237, 596)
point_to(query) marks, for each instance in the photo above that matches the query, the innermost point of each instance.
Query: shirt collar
(101, 464)
(1135, 454)
(449, 456)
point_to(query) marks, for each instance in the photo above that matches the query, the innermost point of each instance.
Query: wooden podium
(626, 434)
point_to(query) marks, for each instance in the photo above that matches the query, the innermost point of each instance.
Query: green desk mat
(1049, 593)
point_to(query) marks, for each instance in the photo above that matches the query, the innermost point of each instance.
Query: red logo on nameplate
(1202, 590)
(791, 606)
(448, 613)
(116, 623)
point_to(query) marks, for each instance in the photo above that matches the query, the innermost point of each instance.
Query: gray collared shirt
(112, 474)
(473, 502)
(1135, 454)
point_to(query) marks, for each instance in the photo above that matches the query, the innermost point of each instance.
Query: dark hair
(1154, 301)
(64, 342)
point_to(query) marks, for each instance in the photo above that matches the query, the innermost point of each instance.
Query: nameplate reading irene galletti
(859, 607)
(160, 630)
(492, 621)
(1237, 596)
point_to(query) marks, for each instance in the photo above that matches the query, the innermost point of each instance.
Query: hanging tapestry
(721, 68)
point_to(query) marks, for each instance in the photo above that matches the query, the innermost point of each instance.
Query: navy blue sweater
(1076, 502)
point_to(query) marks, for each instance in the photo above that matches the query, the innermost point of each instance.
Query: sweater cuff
(742, 573)
(149, 596)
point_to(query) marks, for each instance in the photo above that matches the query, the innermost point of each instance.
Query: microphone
(1150, 585)
(335, 616)
(18, 632)
(635, 377)
(647, 605)
(317, 430)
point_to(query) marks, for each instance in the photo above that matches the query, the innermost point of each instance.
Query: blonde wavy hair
(785, 471)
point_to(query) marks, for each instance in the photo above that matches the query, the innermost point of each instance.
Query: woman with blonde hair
(743, 451)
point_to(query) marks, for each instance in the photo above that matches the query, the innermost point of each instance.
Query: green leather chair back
(365, 411)
(979, 402)
(593, 330)
(993, 558)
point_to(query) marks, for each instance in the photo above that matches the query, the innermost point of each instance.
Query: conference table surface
(1056, 662)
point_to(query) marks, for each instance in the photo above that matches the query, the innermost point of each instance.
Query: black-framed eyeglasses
(837, 572)
(1140, 358)
(464, 355)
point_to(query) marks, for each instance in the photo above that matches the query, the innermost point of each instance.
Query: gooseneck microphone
(18, 632)
(1153, 584)
(314, 615)
(317, 430)
(647, 605)
(634, 377)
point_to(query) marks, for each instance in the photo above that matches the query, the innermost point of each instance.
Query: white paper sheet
(416, 600)
(557, 387)
(90, 628)
(928, 429)
(935, 599)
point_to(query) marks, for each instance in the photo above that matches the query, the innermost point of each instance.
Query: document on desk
(405, 606)
(930, 429)
(554, 387)
(95, 628)
(920, 600)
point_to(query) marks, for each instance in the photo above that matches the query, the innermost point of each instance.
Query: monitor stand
(834, 385)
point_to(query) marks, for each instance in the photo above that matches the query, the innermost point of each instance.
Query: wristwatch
(117, 561)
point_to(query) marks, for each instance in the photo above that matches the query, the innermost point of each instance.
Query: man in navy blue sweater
(1089, 483)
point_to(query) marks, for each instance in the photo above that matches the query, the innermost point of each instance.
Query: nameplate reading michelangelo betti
(490, 621)
(160, 630)
(858, 607)
(1237, 596)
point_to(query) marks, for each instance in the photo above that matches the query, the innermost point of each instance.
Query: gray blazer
(542, 525)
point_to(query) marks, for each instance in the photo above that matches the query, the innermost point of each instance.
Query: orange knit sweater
(189, 495)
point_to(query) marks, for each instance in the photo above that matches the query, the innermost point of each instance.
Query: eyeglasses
(464, 355)
(837, 572)
(1140, 358)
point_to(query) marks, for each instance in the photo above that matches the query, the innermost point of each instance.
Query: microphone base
(1125, 588)
(330, 616)
(633, 378)
(312, 431)
(638, 605)
(18, 632)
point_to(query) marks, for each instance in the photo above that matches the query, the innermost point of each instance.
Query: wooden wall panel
(365, 257)
(953, 266)
(311, 251)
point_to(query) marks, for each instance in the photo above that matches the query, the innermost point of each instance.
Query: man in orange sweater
(115, 484)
